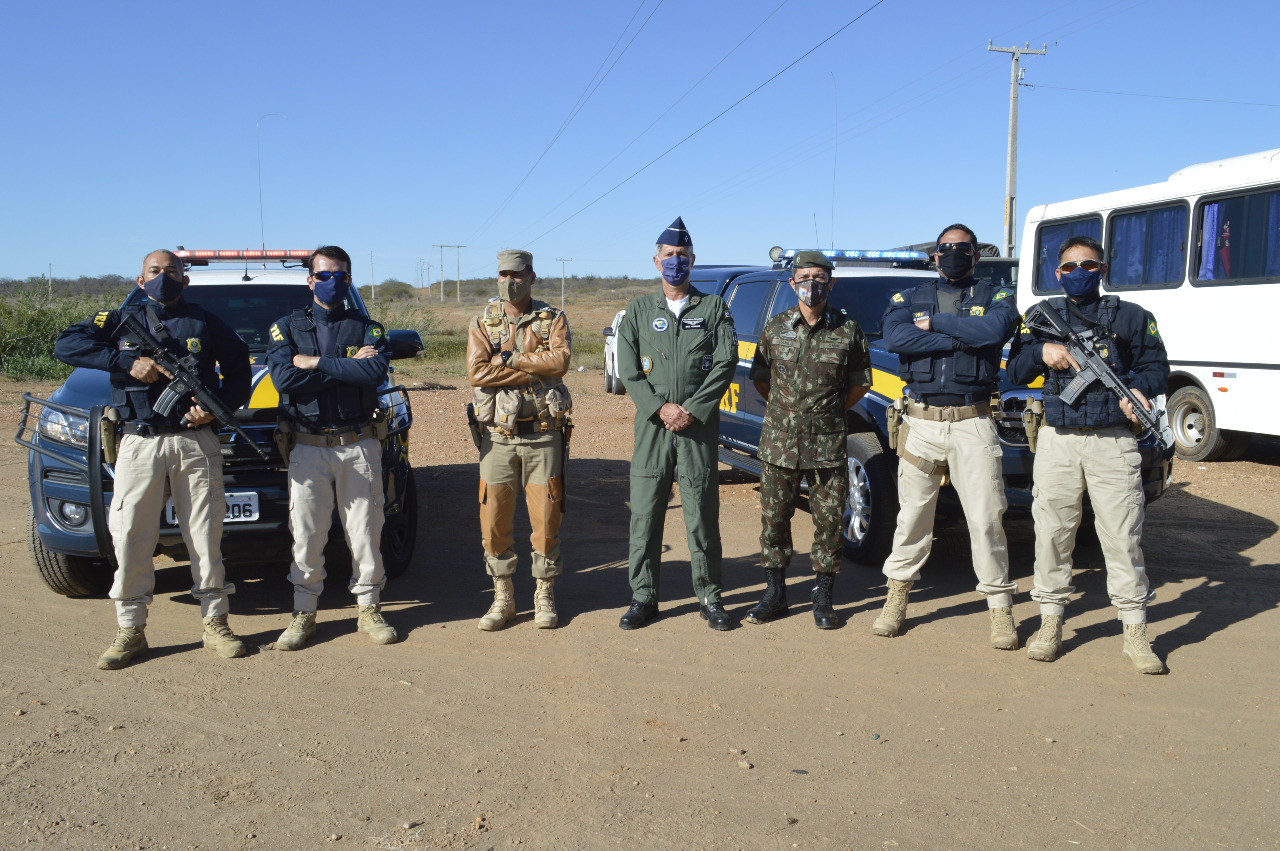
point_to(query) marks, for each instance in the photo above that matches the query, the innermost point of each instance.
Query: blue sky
(130, 126)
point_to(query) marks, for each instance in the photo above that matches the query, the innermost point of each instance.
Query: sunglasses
(1087, 265)
(340, 277)
(820, 279)
(962, 247)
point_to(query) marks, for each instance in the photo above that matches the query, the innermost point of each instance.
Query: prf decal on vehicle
(729, 401)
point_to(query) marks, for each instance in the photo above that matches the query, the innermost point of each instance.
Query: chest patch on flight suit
(977, 310)
(788, 335)
(706, 363)
(660, 324)
(695, 322)
(646, 364)
(193, 345)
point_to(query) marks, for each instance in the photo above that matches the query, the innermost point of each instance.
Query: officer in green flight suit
(677, 352)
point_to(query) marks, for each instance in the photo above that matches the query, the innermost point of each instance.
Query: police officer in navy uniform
(159, 456)
(948, 336)
(1088, 445)
(328, 361)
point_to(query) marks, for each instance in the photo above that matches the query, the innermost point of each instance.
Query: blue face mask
(1079, 282)
(163, 288)
(333, 291)
(675, 269)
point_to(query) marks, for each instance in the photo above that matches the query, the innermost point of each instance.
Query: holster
(380, 425)
(473, 425)
(285, 438)
(1032, 419)
(895, 423)
(109, 434)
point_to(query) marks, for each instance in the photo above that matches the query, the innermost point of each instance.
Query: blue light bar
(858, 254)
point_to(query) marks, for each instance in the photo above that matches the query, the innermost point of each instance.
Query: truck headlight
(65, 428)
(72, 515)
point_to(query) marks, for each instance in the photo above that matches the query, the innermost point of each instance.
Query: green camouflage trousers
(779, 492)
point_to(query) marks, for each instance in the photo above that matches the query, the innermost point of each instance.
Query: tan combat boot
(1003, 635)
(129, 642)
(372, 622)
(299, 631)
(504, 605)
(895, 609)
(1047, 644)
(544, 605)
(220, 637)
(1137, 649)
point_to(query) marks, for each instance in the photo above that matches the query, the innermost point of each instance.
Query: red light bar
(247, 254)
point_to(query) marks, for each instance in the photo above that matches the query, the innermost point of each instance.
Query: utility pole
(458, 292)
(1011, 173)
(562, 261)
(441, 247)
(373, 287)
(51, 283)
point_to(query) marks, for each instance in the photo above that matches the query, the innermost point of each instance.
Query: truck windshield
(865, 299)
(250, 311)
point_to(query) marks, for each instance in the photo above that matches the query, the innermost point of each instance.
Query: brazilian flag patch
(1000, 295)
(375, 331)
(1151, 328)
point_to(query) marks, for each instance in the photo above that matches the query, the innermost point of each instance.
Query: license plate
(241, 508)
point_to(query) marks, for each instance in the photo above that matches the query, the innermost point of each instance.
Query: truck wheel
(608, 381)
(70, 576)
(872, 509)
(400, 532)
(1237, 444)
(1196, 435)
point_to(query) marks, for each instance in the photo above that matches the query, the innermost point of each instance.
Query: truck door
(741, 408)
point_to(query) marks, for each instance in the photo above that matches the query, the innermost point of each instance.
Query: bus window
(1148, 248)
(1238, 238)
(1049, 237)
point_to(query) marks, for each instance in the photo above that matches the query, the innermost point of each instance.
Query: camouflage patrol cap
(514, 260)
(805, 259)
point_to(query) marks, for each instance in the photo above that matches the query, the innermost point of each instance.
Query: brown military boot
(544, 605)
(129, 642)
(372, 622)
(1003, 635)
(220, 637)
(1047, 644)
(895, 609)
(299, 631)
(504, 605)
(1137, 649)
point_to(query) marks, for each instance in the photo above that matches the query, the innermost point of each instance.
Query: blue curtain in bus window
(1273, 235)
(1166, 245)
(1208, 231)
(1051, 239)
(1128, 250)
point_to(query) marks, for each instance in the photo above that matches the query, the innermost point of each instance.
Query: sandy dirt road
(773, 736)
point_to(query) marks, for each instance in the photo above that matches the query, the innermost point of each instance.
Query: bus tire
(70, 576)
(871, 512)
(1196, 436)
(1237, 444)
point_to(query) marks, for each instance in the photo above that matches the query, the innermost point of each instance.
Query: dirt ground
(674, 736)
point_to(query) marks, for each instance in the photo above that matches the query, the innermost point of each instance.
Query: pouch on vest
(109, 434)
(484, 403)
(285, 438)
(507, 410)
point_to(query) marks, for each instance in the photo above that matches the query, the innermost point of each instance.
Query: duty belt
(331, 437)
(530, 426)
(947, 414)
(346, 429)
(149, 430)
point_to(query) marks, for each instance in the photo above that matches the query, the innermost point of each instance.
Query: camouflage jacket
(809, 372)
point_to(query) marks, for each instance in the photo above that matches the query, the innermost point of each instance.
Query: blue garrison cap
(675, 234)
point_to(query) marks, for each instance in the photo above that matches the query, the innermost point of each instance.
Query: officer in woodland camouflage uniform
(517, 354)
(811, 366)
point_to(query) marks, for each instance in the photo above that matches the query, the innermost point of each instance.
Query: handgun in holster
(1032, 419)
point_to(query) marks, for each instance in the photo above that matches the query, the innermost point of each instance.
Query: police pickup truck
(864, 282)
(71, 483)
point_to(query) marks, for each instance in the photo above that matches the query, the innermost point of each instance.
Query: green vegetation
(30, 321)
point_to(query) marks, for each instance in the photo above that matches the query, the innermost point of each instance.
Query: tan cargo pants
(148, 470)
(536, 464)
(971, 450)
(352, 475)
(1108, 464)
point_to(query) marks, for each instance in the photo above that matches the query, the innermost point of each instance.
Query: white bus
(1201, 251)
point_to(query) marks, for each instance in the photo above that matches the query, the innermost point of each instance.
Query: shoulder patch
(100, 318)
(1151, 328)
(375, 330)
(898, 299)
(1000, 295)
(275, 332)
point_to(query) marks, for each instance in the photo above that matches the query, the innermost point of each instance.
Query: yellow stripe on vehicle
(746, 351)
(264, 394)
(886, 384)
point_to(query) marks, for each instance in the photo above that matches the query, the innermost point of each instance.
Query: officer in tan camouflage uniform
(811, 366)
(517, 354)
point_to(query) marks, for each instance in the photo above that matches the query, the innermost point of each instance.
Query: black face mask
(955, 265)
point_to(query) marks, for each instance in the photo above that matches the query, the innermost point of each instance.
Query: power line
(713, 120)
(1142, 95)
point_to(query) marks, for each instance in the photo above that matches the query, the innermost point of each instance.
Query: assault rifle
(185, 382)
(1083, 346)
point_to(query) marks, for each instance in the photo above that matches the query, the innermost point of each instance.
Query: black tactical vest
(342, 404)
(964, 371)
(1098, 407)
(180, 335)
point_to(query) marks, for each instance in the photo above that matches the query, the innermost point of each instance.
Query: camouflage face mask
(812, 292)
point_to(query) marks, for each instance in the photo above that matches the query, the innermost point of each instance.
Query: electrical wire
(1143, 95)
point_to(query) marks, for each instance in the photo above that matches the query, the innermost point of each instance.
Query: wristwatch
(506, 356)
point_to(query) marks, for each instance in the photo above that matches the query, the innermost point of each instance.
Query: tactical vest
(963, 371)
(545, 400)
(1098, 407)
(180, 335)
(353, 403)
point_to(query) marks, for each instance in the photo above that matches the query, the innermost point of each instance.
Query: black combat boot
(716, 617)
(824, 616)
(774, 601)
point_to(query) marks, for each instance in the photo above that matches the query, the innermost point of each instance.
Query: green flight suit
(687, 359)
